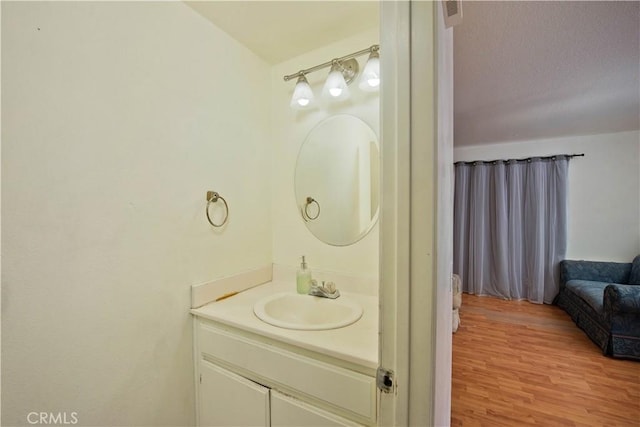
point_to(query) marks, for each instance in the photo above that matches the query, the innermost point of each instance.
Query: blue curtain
(510, 227)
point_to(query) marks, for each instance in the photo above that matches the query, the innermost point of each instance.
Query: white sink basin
(304, 312)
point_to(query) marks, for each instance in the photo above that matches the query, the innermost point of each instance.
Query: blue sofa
(603, 299)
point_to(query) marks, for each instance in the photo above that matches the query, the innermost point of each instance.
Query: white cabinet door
(289, 412)
(227, 399)
(335, 385)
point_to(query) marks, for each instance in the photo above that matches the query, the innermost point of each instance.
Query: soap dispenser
(303, 278)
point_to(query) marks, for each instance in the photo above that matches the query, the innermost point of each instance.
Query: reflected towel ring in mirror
(213, 197)
(306, 215)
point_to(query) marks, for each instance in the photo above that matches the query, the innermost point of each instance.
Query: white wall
(291, 239)
(117, 118)
(604, 189)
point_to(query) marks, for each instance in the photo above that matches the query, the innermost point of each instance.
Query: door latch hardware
(385, 380)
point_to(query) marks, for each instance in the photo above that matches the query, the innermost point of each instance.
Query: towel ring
(213, 197)
(309, 201)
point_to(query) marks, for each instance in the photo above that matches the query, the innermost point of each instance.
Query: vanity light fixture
(336, 84)
(302, 94)
(370, 78)
(343, 71)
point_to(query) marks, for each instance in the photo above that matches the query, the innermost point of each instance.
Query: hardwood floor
(517, 363)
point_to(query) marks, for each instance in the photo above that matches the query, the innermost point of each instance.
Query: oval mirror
(337, 180)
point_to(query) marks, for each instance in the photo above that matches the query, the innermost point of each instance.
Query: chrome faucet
(325, 290)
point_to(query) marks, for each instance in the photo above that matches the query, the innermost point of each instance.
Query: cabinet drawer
(350, 391)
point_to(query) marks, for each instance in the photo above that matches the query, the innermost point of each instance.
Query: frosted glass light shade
(335, 87)
(302, 94)
(370, 78)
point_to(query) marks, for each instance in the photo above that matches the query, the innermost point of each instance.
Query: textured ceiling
(534, 70)
(280, 30)
(522, 70)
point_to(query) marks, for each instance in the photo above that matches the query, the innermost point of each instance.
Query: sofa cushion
(589, 291)
(634, 277)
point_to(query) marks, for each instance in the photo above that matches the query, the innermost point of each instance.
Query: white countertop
(356, 343)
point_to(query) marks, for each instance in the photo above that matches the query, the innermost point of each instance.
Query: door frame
(416, 236)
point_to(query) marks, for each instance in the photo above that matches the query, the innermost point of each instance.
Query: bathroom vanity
(252, 373)
(267, 356)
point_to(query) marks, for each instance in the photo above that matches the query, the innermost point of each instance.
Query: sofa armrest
(621, 299)
(608, 272)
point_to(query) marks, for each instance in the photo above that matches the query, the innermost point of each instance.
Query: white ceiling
(522, 70)
(280, 30)
(533, 70)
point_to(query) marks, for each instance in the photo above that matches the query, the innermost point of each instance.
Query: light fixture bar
(373, 48)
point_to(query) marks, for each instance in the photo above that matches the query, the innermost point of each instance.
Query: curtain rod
(370, 49)
(525, 159)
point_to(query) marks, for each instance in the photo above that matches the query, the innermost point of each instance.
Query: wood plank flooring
(517, 363)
